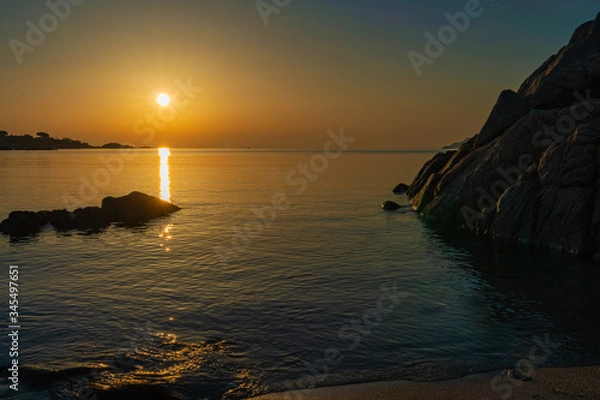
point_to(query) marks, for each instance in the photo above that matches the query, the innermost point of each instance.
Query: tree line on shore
(43, 141)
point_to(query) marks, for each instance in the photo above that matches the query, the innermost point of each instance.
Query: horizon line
(243, 149)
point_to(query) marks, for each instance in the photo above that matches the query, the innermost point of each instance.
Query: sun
(163, 100)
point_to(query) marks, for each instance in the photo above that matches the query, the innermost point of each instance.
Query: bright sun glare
(163, 99)
(165, 181)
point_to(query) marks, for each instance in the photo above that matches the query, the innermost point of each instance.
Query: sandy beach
(546, 383)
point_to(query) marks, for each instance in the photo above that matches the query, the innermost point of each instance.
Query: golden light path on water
(165, 181)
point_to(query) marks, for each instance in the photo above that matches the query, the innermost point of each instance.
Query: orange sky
(315, 67)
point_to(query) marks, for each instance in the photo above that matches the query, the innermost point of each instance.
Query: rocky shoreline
(532, 174)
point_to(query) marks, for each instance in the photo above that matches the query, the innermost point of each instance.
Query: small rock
(391, 206)
(401, 188)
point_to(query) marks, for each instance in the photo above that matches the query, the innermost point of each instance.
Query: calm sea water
(331, 286)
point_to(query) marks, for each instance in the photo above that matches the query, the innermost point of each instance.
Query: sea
(281, 271)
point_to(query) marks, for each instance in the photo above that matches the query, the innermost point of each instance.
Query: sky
(278, 77)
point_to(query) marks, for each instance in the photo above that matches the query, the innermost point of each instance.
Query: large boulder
(93, 218)
(431, 167)
(532, 175)
(135, 208)
(129, 210)
(21, 223)
(61, 220)
(509, 108)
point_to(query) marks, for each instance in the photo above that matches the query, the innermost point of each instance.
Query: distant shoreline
(43, 141)
(72, 148)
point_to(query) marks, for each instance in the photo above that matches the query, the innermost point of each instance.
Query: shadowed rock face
(532, 174)
(576, 67)
(133, 209)
(510, 107)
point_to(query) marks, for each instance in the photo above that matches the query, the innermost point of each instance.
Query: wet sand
(582, 383)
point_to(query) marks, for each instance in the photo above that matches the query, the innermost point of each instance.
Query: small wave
(160, 367)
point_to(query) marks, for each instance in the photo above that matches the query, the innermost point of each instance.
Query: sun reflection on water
(166, 236)
(165, 181)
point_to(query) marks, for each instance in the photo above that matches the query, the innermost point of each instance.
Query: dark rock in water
(136, 207)
(390, 206)
(23, 223)
(61, 220)
(43, 379)
(89, 218)
(532, 175)
(401, 188)
(132, 209)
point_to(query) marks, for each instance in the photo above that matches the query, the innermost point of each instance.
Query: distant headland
(456, 145)
(43, 141)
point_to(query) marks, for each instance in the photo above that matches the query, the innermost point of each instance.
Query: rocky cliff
(532, 174)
